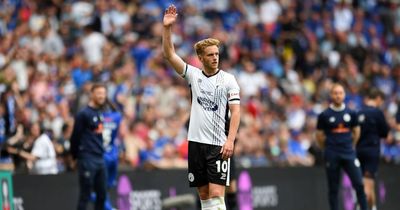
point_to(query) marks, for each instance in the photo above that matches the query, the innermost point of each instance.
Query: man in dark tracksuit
(373, 128)
(338, 132)
(87, 148)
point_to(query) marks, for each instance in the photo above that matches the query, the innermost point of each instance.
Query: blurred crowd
(285, 54)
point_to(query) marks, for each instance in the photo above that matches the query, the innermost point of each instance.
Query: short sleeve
(188, 73)
(320, 122)
(233, 91)
(354, 119)
(383, 126)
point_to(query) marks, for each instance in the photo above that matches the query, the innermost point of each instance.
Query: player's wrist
(167, 25)
(230, 140)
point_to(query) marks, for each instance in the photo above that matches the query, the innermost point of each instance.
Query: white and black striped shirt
(211, 96)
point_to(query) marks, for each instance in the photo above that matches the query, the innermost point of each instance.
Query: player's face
(379, 101)
(99, 96)
(210, 58)
(337, 95)
(35, 130)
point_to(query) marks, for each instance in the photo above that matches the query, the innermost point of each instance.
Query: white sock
(374, 208)
(205, 204)
(217, 203)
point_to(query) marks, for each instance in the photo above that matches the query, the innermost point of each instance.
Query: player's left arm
(227, 148)
(320, 137)
(234, 107)
(320, 133)
(355, 130)
(355, 134)
(383, 125)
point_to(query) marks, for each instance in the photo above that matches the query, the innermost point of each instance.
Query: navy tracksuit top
(337, 126)
(87, 138)
(373, 127)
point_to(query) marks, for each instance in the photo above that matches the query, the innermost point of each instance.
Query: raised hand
(170, 15)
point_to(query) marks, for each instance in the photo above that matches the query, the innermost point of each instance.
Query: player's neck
(210, 72)
(94, 105)
(337, 107)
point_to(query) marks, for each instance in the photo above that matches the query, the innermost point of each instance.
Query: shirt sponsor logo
(207, 104)
(340, 129)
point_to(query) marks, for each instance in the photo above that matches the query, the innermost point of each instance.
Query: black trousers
(92, 177)
(350, 164)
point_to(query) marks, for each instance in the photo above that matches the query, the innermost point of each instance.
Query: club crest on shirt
(361, 118)
(357, 163)
(346, 117)
(332, 119)
(98, 118)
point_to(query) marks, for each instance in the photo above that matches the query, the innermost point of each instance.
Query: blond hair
(202, 44)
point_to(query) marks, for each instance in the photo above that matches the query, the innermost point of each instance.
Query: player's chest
(336, 120)
(209, 87)
(95, 122)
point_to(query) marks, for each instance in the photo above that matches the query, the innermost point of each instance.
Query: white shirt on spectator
(118, 19)
(270, 11)
(82, 12)
(296, 119)
(93, 46)
(251, 83)
(343, 19)
(21, 71)
(36, 22)
(53, 44)
(252, 14)
(43, 149)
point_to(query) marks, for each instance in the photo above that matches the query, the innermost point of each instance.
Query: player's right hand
(170, 15)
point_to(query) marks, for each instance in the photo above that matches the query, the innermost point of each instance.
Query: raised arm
(168, 47)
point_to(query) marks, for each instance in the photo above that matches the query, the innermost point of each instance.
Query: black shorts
(233, 168)
(369, 161)
(207, 166)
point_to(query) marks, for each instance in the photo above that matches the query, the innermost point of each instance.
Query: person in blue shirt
(337, 133)
(88, 149)
(112, 121)
(373, 128)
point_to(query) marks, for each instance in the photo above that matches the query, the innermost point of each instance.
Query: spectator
(42, 159)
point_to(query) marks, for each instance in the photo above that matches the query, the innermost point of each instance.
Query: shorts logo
(191, 177)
